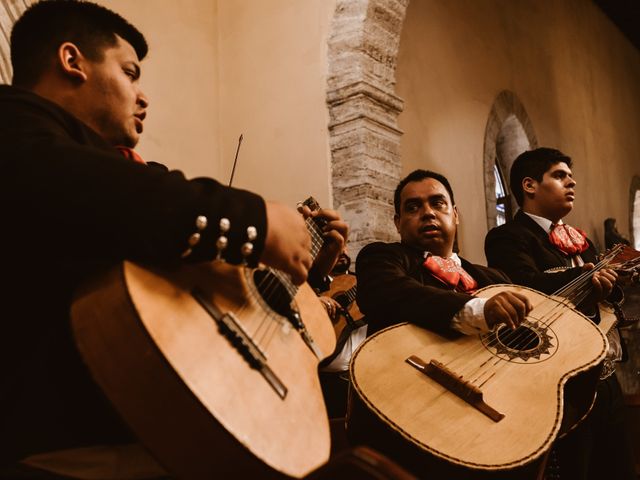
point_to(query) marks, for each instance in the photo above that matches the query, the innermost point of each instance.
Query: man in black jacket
(73, 206)
(538, 250)
(421, 279)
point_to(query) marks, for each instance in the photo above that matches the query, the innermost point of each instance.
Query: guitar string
(272, 319)
(489, 368)
(574, 292)
(570, 295)
(273, 280)
(317, 242)
(555, 314)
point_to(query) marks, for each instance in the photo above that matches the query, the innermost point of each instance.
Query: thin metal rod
(235, 160)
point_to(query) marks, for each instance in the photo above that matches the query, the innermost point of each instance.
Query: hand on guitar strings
(602, 282)
(332, 306)
(287, 246)
(509, 308)
(335, 236)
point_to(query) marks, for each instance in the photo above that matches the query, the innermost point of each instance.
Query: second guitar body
(521, 391)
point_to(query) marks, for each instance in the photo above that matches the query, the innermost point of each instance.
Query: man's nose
(427, 211)
(572, 182)
(143, 101)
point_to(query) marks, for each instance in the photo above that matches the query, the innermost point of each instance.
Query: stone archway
(10, 11)
(509, 132)
(363, 110)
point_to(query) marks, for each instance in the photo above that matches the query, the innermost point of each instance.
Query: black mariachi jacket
(72, 206)
(522, 249)
(394, 287)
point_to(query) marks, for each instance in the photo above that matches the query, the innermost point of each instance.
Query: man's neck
(533, 209)
(438, 253)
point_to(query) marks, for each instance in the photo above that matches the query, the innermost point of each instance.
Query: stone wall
(363, 109)
(10, 10)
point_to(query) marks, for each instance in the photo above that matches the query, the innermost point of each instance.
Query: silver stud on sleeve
(223, 241)
(201, 222)
(247, 247)
(194, 238)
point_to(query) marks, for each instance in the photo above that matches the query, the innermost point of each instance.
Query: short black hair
(534, 164)
(416, 176)
(45, 25)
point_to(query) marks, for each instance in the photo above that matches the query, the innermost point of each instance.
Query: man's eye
(131, 74)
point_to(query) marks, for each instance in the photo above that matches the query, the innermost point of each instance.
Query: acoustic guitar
(348, 317)
(493, 402)
(213, 366)
(626, 262)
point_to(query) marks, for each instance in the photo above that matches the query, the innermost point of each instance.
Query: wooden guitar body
(343, 291)
(526, 386)
(187, 390)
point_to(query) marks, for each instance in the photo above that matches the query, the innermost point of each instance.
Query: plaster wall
(221, 68)
(574, 72)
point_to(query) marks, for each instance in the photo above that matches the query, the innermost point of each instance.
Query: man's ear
(455, 214)
(396, 220)
(529, 185)
(72, 62)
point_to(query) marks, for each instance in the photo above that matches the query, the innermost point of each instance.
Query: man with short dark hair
(537, 249)
(73, 206)
(421, 279)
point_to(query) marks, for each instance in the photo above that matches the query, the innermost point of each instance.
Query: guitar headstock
(312, 203)
(622, 254)
(626, 261)
(314, 206)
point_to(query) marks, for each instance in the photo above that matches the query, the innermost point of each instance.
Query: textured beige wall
(577, 76)
(219, 68)
(180, 77)
(273, 74)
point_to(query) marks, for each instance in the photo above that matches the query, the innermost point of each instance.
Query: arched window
(508, 134)
(634, 212)
(503, 198)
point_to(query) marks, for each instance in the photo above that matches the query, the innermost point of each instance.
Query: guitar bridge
(238, 337)
(464, 390)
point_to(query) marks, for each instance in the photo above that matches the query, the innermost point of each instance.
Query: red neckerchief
(130, 154)
(569, 240)
(450, 273)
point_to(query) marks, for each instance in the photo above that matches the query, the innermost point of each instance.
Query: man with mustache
(421, 279)
(528, 249)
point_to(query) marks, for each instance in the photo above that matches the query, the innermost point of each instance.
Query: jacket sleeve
(388, 293)
(89, 201)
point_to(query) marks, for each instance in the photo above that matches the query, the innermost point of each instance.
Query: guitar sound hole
(522, 338)
(273, 291)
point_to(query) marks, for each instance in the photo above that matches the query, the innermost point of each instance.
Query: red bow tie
(450, 273)
(569, 240)
(130, 154)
